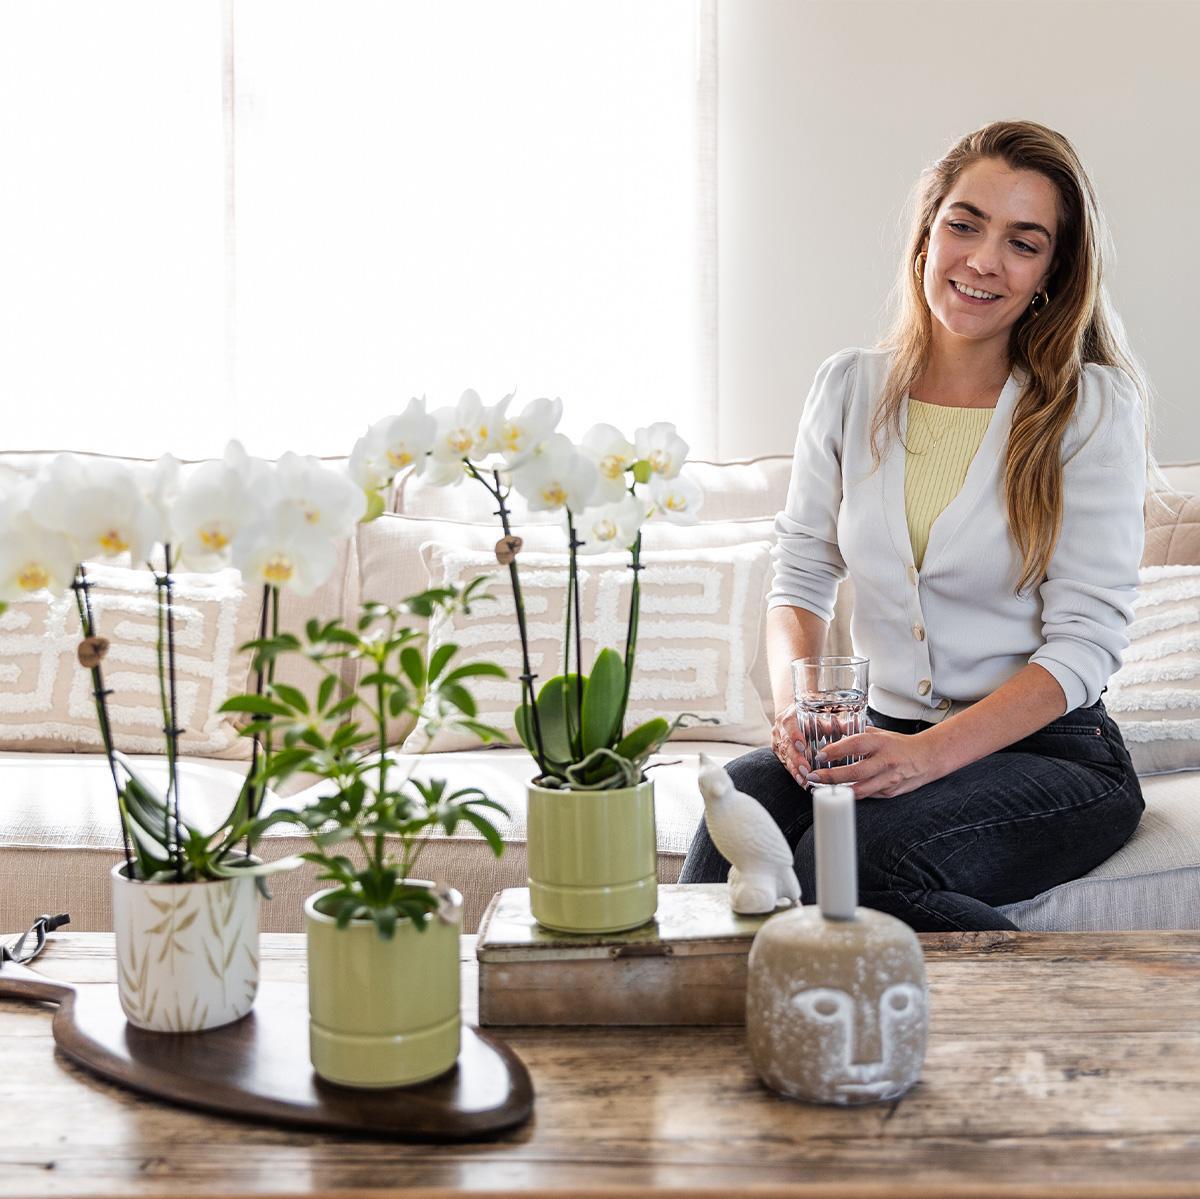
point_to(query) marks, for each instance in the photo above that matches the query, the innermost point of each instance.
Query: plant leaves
(414, 667)
(644, 739)
(602, 700)
(325, 692)
(476, 670)
(460, 697)
(259, 705)
(440, 657)
(558, 696)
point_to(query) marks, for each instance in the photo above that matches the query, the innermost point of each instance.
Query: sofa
(700, 651)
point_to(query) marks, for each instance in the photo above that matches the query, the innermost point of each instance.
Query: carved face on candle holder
(837, 1010)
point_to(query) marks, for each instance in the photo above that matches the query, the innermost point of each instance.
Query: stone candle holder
(837, 1006)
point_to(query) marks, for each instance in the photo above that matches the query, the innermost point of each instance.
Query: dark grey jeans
(1042, 811)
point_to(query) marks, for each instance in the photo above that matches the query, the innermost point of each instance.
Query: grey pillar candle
(837, 861)
(837, 1007)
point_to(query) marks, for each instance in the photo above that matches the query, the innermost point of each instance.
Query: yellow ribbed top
(941, 442)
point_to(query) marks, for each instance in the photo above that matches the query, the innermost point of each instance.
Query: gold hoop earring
(919, 266)
(1034, 306)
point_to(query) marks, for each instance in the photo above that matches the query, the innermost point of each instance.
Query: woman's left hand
(892, 763)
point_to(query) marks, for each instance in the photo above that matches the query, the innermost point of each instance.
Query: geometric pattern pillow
(46, 700)
(1155, 696)
(699, 632)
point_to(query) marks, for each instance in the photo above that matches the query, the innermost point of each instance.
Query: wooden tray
(258, 1067)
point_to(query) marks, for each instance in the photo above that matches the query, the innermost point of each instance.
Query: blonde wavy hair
(1078, 325)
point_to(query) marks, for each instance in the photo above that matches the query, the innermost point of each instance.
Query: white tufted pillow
(1155, 696)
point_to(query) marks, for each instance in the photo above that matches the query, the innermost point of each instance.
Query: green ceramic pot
(593, 858)
(383, 1013)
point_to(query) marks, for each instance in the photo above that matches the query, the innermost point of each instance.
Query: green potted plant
(185, 900)
(383, 943)
(592, 843)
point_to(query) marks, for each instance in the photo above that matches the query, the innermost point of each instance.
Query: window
(280, 222)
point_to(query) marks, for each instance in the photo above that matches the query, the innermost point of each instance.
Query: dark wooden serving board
(258, 1067)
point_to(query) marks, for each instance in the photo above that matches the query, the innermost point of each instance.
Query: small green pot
(593, 858)
(383, 1013)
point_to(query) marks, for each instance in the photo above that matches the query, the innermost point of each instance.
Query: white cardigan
(954, 632)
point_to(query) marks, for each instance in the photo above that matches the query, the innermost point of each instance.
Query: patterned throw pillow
(698, 632)
(1155, 696)
(46, 701)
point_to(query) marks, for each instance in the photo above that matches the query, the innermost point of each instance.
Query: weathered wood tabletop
(1064, 1065)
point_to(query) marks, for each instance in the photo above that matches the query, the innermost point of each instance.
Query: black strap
(16, 952)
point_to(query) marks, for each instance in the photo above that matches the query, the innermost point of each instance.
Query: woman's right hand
(787, 745)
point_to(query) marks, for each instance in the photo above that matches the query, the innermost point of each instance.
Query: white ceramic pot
(187, 953)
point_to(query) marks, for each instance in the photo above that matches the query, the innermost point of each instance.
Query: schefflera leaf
(602, 701)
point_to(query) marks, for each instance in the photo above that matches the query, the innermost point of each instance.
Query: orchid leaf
(602, 700)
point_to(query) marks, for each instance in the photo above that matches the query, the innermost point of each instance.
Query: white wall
(828, 111)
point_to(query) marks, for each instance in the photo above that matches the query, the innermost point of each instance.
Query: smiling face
(996, 233)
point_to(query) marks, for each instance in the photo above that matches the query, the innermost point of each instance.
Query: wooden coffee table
(1059, 1065)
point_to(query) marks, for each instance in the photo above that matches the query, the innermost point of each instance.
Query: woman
(981, 477)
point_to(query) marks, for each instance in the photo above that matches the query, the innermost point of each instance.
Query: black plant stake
(573, 597)
(81, 586)
(514, 577)
(260, 676)
(174, 730)
(635, 600)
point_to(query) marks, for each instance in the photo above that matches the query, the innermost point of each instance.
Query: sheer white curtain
(409, 197)
(112, 271)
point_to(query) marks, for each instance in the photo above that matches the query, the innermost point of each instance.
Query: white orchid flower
(489, 428)
(521, 435)
(283, 549)
(98, 504)
(215, 502)
(32, 557)
(160, 487)
(368, 466)
(554, 475)
(406, 439)
(610, 526)
(613, 455)
(444, 472)
(458, 429)
(327, 499)
(662, 447)
(677, 500)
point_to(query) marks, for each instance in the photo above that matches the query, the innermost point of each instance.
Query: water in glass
(828, 716)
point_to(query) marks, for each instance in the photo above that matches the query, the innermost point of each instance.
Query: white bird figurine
(761, 871)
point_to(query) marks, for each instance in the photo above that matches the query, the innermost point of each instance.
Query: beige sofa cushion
(1153, 881)
(1172, 529)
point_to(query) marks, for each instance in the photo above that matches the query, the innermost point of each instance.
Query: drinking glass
(831, 702)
